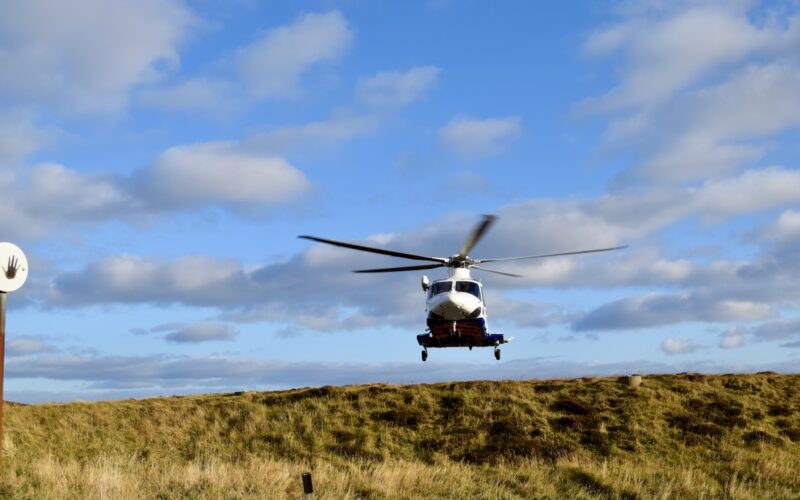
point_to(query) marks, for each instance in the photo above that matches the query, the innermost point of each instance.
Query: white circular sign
(13, 267)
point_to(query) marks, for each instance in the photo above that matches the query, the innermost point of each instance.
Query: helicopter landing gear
(497, 353)
(424, 355)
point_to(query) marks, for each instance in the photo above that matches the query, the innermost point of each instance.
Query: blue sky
(159, 158)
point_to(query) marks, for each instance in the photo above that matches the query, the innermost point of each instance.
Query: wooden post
(14, 267)
(308, 488)
(2, 367)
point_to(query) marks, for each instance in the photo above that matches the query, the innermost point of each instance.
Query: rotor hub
(459, 261)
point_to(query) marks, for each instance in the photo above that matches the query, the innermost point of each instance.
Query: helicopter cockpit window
(441, 287)
(469, 287)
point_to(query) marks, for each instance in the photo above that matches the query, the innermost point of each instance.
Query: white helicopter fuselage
(456, 314)
(456, 298)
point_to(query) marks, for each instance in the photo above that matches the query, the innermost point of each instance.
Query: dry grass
(681, 436)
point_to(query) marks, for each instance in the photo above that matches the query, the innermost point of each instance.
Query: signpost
(13, 273)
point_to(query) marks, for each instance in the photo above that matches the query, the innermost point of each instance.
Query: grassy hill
(676, 436)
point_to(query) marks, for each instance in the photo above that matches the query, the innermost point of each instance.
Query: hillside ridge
(719, 426)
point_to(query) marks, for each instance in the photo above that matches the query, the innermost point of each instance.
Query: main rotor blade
(497, 272)
(552, 254)
(397, 269)
(477, 234)
(365, 248)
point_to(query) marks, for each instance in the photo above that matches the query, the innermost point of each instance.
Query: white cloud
(714, 131)
(217, 173)
(757, 101)
(472, 139)
(85, 57)
(691, 106)
(751, 192)
(195, 94)
(53, 187)
(395, 89)
(50, 196)
(554, 226)
(678, 346)
(731, 342)
(383, 92)
(778, 329)
(635, 213)
(332, 320)
(714, 291)
(196, 332)
(608, 40)
(27, 346)
(195, 280)
(271, 67)
(785, 230)
(657, 309)
(731, 338)
(666, 54)
(19, 137)
(340, 127)
(506, 310)
(695, 157)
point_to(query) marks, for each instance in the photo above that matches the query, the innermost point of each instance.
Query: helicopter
(455, 308)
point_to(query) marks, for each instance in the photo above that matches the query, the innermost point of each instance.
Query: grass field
(676, 436)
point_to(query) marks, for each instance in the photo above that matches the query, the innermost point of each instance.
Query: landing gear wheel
(497, 354)
(424, 356)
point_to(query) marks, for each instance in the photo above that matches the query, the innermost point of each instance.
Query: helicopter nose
(456, 305)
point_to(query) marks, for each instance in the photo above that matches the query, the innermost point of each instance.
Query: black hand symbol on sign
(11, 270)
